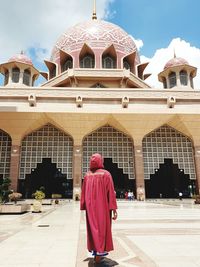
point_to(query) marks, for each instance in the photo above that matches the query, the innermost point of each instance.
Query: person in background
(98, 199)
(129, 195)
(180, 194)
(126, 195)
(140, 193)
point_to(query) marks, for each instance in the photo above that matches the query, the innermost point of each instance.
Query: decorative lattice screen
(5, 154)
(47, 142)
(164, 143)
(110, 143)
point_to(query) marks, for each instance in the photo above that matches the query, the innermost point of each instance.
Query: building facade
(95, 99)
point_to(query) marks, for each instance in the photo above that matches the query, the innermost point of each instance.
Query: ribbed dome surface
(176, 61)
(21, 58)
(97, 34)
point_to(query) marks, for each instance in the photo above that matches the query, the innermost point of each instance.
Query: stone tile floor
(163, 233)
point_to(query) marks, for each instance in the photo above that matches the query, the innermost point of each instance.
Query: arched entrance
(121, 181)
(168, 181)
(50, 177)
(168, 162)
(117, 150)
(5, 154)
(46, 158)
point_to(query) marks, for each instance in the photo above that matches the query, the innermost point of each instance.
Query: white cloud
(139, 43)
(162, 56)
(38, 24)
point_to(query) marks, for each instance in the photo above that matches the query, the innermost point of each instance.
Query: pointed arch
(110, 143)
(5, 152)
(109, 58)
(129, 62)
(46, 142)
(166, 142)
(66, 61)
(53, 68)
(140, 69)
(86, 57)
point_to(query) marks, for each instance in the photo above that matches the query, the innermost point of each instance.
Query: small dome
(97, 34)
(21, 58)
(176, 61)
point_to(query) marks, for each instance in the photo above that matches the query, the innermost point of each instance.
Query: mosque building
(96, 99)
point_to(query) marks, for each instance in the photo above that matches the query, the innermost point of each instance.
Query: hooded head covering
(96, 162)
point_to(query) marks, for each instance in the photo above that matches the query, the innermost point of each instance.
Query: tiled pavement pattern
(147, 234)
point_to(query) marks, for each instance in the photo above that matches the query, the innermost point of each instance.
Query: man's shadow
(105, 262)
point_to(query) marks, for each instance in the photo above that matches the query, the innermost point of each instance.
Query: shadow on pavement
(105, 262)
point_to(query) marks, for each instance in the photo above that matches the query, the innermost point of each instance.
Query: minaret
(19, 71)
(177, 73)
(94, 15)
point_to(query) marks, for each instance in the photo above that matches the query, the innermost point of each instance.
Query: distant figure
(126, 195)
(180, 194)
(129, 195)
(98, 198)
(140, 193)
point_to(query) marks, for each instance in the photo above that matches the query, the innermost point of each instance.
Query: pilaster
(14, 166)
(77, 171)
(197, 167)
(139, 167)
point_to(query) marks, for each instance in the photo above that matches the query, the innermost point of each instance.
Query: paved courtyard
(164, 233)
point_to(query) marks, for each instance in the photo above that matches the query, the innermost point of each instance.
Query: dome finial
(94, 15)
(174, 53)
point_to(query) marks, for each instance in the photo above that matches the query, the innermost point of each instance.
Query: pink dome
(97, 34)
(21, 58)
(176, 61)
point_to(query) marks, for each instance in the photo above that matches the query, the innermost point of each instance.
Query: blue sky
(159, 27)
(157, 22)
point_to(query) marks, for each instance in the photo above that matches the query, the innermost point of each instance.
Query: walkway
(147, 234)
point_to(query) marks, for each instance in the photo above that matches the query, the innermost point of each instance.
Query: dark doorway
(167, 181)
(1, 179)
(121, 181)
(51, 178)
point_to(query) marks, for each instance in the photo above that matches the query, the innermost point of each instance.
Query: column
(197, 167)
(167, 81)
(21, 76)
(178, 84)
(14, 166)
(77, 171)
(139, 168)
(10, 76)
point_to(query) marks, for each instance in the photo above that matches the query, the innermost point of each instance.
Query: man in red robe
(98, 198)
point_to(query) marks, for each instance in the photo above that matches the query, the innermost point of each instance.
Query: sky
(159, 28)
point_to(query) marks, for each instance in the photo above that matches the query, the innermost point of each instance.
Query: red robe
(98, 199)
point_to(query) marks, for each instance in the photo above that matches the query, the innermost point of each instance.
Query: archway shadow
(167, 181)
(121, 181)
(105, 262)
